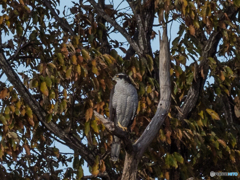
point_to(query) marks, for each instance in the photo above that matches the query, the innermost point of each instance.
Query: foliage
(69, 75)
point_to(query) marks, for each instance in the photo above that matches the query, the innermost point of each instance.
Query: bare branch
(117, 26)
(18, 50)
(115, 130)
(63, 24)
(165, 91)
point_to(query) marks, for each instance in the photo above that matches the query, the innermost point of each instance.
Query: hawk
(122, 107)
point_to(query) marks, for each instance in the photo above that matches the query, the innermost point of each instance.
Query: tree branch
(116, 131)
(63, 24)
(209, 50)
(165, 91)
(117, 26)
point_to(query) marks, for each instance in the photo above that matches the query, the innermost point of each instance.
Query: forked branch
(165, 96)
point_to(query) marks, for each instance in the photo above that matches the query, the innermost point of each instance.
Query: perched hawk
(122, 107)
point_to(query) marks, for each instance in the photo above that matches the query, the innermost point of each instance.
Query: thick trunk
(130, 167)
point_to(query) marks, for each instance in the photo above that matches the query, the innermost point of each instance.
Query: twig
(117, 26)
(63, 24)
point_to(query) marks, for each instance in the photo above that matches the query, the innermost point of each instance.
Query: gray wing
(129, 109)
(112, 110)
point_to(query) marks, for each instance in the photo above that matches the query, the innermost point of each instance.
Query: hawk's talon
(123, 128)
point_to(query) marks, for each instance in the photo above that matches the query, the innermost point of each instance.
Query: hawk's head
(122, 76)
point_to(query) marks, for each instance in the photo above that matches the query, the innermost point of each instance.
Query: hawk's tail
(115, 151)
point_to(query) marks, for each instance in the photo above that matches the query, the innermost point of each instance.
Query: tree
(186, 125)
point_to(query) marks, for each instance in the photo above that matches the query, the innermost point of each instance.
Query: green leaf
(94, 126)
(3, 120)
(87, 128)
(80, 173)
(178, 157)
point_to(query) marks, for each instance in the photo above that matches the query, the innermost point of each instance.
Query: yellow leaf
(44, 89)
(68, 73)
(94, 126)
(52, 65)
(74, 59)
(213, 114)
(85, 54)
(95, 169)
(8, 23)
(201, 114)
(171, 71)
(149, 89)
(60, 58)
(65, 93)
(23, 112)
(29, 112)
(95, 70)
(3, 120)
(49, 118)
(7, 110)
(12, 107)
(94, 62)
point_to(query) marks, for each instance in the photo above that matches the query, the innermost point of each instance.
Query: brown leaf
(222, 77)
(236, 111)
(80, 59)
(192, 30)
(89, 113)
(202, 73)
(3, 93)
(102, 166)
(30, 121)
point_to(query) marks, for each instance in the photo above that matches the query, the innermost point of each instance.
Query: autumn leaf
(102, 166)
(94, 126)
(88, 114)
(192, 30)
(44, 89)
(68, 73)
(80, 173)
(213, 114)
(223, 143)
(30, 121)
(87, 128)
(222, 76)
(74, 59)
(3, 93)
(85, 54)
(3, 120)
(95, 167)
